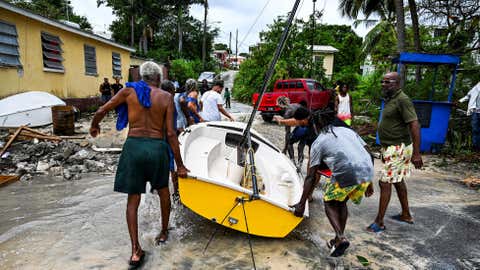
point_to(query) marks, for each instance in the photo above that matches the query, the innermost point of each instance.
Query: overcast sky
(228, 15)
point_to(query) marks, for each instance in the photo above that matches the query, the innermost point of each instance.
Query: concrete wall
(73, 82)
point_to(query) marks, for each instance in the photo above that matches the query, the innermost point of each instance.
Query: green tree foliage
(53, 9)
(221, 46)
(182, 70)
(296, 59)
(156, 25)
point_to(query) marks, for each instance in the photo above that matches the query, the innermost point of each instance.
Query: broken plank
(74, 137)
(7, 179)
(43, 137)
(110, 149)
(11, 140)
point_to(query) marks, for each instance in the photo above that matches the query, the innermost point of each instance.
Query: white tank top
(344, 104)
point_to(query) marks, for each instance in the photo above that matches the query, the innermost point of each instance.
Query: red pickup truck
(297, 90)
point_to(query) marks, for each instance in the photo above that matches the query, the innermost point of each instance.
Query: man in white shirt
(212, 104)
(473, 110)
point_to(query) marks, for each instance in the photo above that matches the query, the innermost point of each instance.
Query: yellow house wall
(327, 63)
(73, 82)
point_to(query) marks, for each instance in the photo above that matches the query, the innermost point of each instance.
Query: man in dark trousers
(145, 153)
(105, 90)
(117, 85)
(399, 134)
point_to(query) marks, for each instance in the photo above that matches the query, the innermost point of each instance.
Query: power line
(254, 22)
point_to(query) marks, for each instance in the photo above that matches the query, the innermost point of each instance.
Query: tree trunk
(416, 35)
(204, 42)
(179, 29)
(132, 27)
(400, 35)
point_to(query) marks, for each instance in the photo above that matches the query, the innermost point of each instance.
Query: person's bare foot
(403, 218)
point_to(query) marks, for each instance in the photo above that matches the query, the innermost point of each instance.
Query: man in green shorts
(399, 134)
(145, 153)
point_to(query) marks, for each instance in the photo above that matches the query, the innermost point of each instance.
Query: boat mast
(246, 133)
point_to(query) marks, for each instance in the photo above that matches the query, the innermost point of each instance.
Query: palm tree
(384, 26)
(204, 41)
(416, 34)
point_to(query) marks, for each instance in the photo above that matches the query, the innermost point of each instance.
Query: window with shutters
(116, 64)
(90, 60)
(52, 53)
(9, 54)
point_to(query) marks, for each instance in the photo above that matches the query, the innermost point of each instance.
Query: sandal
(136, 264)
(375, 228)
(162, 237)
(340, 248)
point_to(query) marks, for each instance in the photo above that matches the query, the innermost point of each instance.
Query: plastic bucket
(63, 118)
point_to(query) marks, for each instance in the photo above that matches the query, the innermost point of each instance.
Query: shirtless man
(144, 155)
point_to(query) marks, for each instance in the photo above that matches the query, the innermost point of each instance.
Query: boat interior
(210, 153)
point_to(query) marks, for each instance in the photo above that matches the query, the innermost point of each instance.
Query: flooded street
(49, 223)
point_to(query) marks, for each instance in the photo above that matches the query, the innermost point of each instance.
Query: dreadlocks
(325, 119)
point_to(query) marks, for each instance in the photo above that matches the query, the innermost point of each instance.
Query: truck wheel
(267, 118)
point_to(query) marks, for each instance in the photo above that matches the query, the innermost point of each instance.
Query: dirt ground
(50, 223)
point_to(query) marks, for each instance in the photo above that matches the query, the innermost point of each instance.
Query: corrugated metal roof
(62, 26)
(323, 48)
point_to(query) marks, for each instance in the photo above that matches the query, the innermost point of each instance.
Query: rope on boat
(221, 223)
(248, 234)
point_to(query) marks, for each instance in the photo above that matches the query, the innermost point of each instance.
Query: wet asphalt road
(52, 224)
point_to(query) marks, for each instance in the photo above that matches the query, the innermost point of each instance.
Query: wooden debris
(99, 149)
(7, 179)
(74, 137)
(11, 140)
(41, 137)
(472, 182)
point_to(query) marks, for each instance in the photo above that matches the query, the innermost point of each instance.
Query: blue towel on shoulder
(143, 94)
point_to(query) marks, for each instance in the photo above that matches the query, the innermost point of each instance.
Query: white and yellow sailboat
(219, 189)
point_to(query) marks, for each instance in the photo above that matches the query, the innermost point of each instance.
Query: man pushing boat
(343, 152)
(149, 113)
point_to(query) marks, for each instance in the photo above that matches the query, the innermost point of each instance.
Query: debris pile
(36, 153)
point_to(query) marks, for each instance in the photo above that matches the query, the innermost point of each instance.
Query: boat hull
(214, 202)
(32, 118)
(29, 108)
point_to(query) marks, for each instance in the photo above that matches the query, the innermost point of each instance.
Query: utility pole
(230, 43)
(229, 47)
(204, 44)
(66, 9)
(236, 47)
(313, 40)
